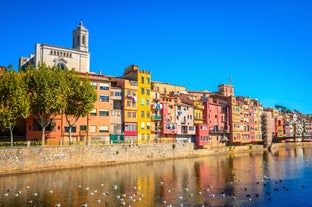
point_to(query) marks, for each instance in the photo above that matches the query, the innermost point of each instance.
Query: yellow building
(143, 101)
(198, 112)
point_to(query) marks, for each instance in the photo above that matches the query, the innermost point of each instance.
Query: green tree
(14, 99)
(80, 98)
(47, 88)
(283, 109)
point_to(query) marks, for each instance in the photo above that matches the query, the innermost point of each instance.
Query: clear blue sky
(265, 46)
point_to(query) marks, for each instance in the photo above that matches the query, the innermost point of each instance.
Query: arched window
(61, 66)
(77, 40)
(83, 40)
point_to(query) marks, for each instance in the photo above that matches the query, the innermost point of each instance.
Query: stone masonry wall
(40, 158)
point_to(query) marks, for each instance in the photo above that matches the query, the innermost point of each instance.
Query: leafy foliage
(80, 98)
(47, 88)
(14, 99)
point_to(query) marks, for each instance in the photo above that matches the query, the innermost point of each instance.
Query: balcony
(156, 129)
(156, 117)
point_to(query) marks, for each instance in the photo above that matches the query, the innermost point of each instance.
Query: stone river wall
(17, 160)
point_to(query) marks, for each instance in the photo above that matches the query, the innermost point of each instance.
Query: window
(94, 84)
(142, 114)
(73, 129)
(128, 114)
(142, 101)
(148, 114)
(147, 80)
(93, 128)
(104, 112)
(142, 125)
(128, 103)
(148, 91)
(133, 114)
(117, 104)
(118, 93)
(104, 98)
(128, 92)
(142, 80)
(142, 90)
(61, 66)
(83, 127)
(104, 86)
(148, 125)
(103, 129)
(130, 127)
(83, 40)
(148, 103)
(93, 112)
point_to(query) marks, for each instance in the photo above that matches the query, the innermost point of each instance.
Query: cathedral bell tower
(81, 38)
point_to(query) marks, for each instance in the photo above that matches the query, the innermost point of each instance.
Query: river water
(282, 178)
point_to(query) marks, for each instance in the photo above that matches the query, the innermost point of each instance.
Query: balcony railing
(156, 117)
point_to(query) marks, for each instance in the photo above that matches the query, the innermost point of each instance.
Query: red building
(202, 135)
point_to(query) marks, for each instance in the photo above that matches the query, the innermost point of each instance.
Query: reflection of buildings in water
(225, 173)
(283, 167)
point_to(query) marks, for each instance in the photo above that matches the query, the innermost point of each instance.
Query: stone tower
(81, 38)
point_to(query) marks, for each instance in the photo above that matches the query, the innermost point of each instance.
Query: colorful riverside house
(278, 123)
(144, 98)
(164, 128)
(246, 120)
(156, 110)
(235, 121)
(218, 119)
(307, 128)
(116, 110)
(169, 128)
(130, 121)
(257, 115)
(252, 121)
(185, 121)
(195, 98)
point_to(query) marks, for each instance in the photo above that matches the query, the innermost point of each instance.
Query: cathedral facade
(77, 57)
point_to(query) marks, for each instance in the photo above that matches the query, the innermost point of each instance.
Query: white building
(77, 58)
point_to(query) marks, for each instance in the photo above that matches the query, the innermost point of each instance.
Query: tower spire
(81, 37)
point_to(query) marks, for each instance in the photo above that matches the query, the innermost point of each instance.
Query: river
(282, 178)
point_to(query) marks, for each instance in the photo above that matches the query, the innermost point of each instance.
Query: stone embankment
(28, 159)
